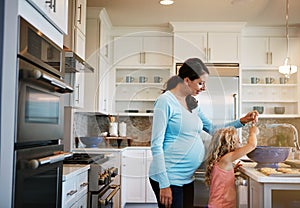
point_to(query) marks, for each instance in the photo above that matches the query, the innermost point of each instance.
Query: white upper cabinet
(211, 42)
(267, 47)
(132, 50)
(223, 47)
(56, 12)
(80, 15)
(75, 40)
(211, 47)
(188, 45)
(263, 51)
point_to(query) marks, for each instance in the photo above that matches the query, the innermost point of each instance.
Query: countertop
(99, 150)
(248, 169)
(70, 170)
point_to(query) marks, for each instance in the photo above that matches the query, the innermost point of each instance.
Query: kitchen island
(271, 191)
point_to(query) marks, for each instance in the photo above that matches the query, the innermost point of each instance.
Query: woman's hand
(166, 197)
(252, 116)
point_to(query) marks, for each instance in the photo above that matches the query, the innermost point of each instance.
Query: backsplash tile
(139, 128)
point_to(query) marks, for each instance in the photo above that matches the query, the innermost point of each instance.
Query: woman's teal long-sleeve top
(176, 146)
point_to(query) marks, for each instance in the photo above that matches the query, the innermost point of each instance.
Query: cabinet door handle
(205, 53)
(209, 53)
(267, 57)
(235, 105)
(78, 93)
(144, 57)
(83, 184)
(271, 57)
(71, 192)
(80, 8)
(54, 6)
(106, 50)
(104, 104)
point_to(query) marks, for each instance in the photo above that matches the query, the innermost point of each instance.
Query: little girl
(224, 150)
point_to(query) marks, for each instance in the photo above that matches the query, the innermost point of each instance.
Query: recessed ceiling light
(166, 2)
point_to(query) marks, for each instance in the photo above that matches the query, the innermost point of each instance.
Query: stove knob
(114, 172)
(103, 180)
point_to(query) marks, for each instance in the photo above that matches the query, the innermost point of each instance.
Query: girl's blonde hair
(223, 141)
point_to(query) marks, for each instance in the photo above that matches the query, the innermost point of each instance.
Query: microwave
(37, 48)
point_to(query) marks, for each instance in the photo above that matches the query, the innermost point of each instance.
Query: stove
(84, 158)
(101, 176)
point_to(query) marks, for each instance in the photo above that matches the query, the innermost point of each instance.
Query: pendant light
(287, 68)
(166, 2)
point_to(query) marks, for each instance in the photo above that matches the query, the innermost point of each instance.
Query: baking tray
(284, 174)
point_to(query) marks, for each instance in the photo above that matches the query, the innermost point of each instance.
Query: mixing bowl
(91, 142)
(268, 156)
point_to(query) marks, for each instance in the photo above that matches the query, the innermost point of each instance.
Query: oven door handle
(35, 163)
(111, 195)
(62, 87)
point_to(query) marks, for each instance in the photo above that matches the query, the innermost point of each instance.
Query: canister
(122, 129)
(113, 129)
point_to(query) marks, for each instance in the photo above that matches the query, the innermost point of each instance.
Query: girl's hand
(166, 197)
(236, 167)
(254, 130)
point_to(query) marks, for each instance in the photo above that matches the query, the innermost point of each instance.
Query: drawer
(82, 184)
(69, 190)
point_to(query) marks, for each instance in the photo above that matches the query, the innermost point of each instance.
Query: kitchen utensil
(279, 110)
(91, 142)
(268, 156)
(259, 109)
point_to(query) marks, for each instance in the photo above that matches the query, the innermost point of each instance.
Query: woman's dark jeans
(183, 196)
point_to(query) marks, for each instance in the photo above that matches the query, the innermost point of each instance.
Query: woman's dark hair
(192, 68)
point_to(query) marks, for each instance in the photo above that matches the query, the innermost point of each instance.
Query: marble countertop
(70, 170)
(249, 169)
(99, 150)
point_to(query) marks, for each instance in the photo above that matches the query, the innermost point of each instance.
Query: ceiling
(149, 13)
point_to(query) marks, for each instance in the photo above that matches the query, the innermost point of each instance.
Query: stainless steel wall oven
(38, 152)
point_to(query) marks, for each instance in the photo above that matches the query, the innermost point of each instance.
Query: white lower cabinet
(136, 187)
(75, 186)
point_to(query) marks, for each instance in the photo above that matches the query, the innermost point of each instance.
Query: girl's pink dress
(222, 189)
